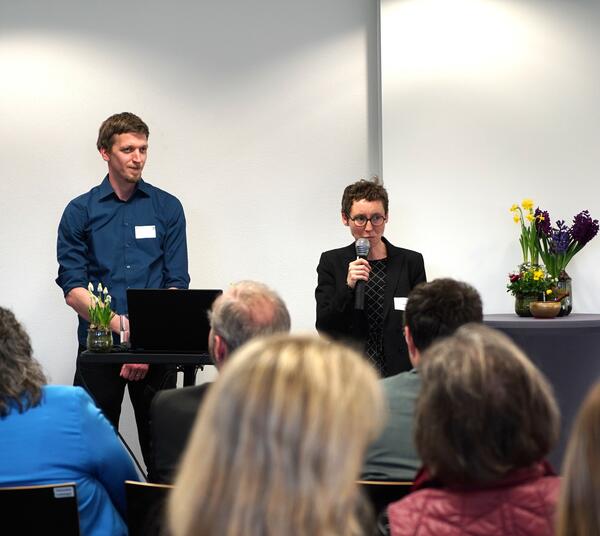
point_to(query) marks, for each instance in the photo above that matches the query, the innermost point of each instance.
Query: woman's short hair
(484, 408)
(579, 504)
(279, 442)
(371, 190)
(21, 376)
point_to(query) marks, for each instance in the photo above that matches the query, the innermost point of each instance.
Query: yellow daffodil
(514, 208)
(527, 204)
(516, 218)
(530, 217)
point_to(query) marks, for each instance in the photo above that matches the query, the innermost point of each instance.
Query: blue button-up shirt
(138, 243)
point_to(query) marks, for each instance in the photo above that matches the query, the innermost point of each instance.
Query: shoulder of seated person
(167, 395)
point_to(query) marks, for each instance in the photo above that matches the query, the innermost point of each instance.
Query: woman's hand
(357, 270)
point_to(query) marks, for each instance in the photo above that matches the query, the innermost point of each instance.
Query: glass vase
(99, 340)
(564, 285)
(522, 302)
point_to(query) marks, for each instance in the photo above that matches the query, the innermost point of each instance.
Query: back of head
(21, 377)
(246, 310)
(279, 442)
(120, 123)
(579, 506)
(371, 190)
(484, 408)
(436, 309)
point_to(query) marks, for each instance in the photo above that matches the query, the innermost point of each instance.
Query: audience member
(279, 443)
(245, 310)
(579, 505)
(435, 309)
(53, 433)
(485, 420)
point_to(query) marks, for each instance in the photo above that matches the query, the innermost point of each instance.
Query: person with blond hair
(279, 443)
(579, 503)
(485, 420)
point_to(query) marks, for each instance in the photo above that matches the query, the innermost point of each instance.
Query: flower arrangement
(558, 245)
(531, 280)
(99, 310)
(525, 216)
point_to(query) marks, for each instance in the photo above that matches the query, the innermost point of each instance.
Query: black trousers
(107, 388)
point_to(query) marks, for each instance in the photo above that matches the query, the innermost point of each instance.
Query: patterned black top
(374, 293)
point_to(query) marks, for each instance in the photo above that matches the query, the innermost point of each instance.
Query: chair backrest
(382, 493)
(41, 509)
(146, 507)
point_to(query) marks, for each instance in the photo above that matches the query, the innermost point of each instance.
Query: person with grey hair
(247, 309)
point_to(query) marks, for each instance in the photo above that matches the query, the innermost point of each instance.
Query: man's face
(126, 157)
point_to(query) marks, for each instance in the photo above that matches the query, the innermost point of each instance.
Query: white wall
(485, 103)
(260, 113)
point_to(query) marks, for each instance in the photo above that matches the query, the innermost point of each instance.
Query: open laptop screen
(169, 321)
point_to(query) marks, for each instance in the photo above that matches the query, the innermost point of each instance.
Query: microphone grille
(362, 247)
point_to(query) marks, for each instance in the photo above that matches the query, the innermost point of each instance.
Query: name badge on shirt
(145, 231)
(400, 304)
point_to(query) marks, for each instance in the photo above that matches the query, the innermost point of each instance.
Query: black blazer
(172, 416)
(337, 317)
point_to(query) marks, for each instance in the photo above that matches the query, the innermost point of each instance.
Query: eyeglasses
(361, 220)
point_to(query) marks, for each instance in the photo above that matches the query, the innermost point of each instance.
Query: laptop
(169, 321)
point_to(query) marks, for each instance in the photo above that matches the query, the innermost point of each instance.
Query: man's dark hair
(371, 190)
(119, 124)
(436, 309)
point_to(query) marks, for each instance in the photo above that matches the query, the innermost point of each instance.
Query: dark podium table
(188, 363)
(567, 351)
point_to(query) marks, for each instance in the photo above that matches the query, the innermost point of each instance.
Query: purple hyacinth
(561, 237)
(542, 222)
(584, 228)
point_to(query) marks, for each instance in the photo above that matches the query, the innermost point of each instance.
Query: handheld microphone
(362, 247)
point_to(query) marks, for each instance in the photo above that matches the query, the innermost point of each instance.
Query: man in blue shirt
(123, 233)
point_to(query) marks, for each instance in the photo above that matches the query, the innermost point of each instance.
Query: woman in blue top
(52, 433)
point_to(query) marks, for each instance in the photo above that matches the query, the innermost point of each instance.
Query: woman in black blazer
(390, 274)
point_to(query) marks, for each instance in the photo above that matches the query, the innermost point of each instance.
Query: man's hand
(134, 372)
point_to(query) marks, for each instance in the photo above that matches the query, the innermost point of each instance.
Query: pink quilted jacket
(521, 504)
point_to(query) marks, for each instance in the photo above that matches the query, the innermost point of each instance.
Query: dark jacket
(172, 416)
(521, 503)
(337, 317)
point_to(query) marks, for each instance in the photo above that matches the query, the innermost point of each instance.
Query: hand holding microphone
(358, 272)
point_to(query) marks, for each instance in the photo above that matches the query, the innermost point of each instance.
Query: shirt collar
(106, 190)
